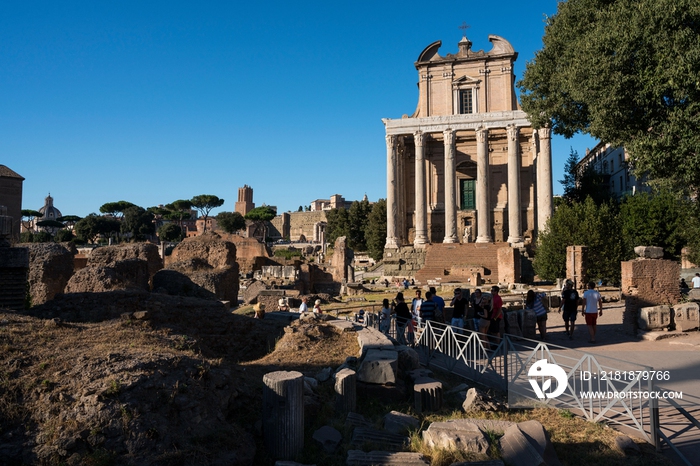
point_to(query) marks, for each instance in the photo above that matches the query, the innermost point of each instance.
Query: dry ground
(140, 378)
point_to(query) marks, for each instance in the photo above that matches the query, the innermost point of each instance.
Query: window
(466, 101)
(467, 190)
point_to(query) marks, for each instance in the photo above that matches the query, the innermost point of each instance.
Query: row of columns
(544, 187)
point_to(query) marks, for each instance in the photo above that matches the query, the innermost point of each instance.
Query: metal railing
(504, 362)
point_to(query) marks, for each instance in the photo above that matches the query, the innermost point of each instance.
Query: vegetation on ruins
(375, 234)
(612, 229)
(579, 186)
(170, 232)
(634, 86)
(585, 224)
(259, 216)
(364, 225)
(92, 226)
(337, 224)
(205, 203)
(230, 222)
(137, 223)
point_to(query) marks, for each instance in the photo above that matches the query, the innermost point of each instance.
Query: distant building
(613, 163)
(335, 202)
(11, 197)
(245, 200)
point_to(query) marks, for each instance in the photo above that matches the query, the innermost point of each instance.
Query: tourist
(259, 309)
(440, 305)
(406, 283)
(591, 308)
(459, 305)
(304, 307)
(569, 304)
(428, 308)
(403, 317)
(696, 280)
(476, 301)
(317, 307)
(535, 302)
(415, 305)
(283, 304)
(685, 289)
(385, 322)
(483, 316)
(496, 313)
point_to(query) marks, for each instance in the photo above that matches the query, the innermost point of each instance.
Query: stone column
(283, 414)
(450, 191)
(346, 391)
(544, 178)
(514, 226)
(483, 211)
(421, 222)
(391, 192)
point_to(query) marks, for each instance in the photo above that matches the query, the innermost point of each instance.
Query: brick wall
(577, 265)
(645, 283)
(441, 258)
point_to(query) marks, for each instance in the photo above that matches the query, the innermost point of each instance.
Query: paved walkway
(677, 353)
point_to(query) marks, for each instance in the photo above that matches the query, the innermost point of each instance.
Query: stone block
(384, 458)
(379, 367)
(538, 436)
(427, 395)
(372, 339)
(694, 294)
(399, 423)
(686, 316)
(653, 318)
(512, 324)
(517, 450)
(456, 434)
(389, 441)
(329, 438)
(528, 323)
(649, 252)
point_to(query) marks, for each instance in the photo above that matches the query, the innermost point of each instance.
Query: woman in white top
(385, 322)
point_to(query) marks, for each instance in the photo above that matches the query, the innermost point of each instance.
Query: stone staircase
(441, 257)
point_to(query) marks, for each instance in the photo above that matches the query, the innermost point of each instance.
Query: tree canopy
(204, 203)
(169, 232)
(625, 72)
(137, 223)
(259, 216)
(230, 222)
(375, 233)
(115, 209)
(90, 227)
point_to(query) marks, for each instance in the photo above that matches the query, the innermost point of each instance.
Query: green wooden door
(467, 192)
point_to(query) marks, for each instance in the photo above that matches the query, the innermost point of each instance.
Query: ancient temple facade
(467, 166)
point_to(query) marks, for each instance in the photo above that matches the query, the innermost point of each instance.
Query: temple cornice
(436, 124)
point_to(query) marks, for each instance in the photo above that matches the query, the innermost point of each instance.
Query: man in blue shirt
(428, 307)
(440, 304)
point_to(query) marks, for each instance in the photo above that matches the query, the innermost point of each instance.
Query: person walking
(569, 304)
(696, 280)
(304, 307)
(535, 302)
(403, 317)
(459, 305)
(592, 308)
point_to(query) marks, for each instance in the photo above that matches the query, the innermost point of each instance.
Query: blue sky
(150, 102)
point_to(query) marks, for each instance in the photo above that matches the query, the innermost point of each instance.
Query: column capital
(391, 140)
(419, 138)
(545, 133)
(513, 132)
(482, 134)
(449, 135)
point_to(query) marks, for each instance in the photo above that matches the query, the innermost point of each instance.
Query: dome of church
(49, 212)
